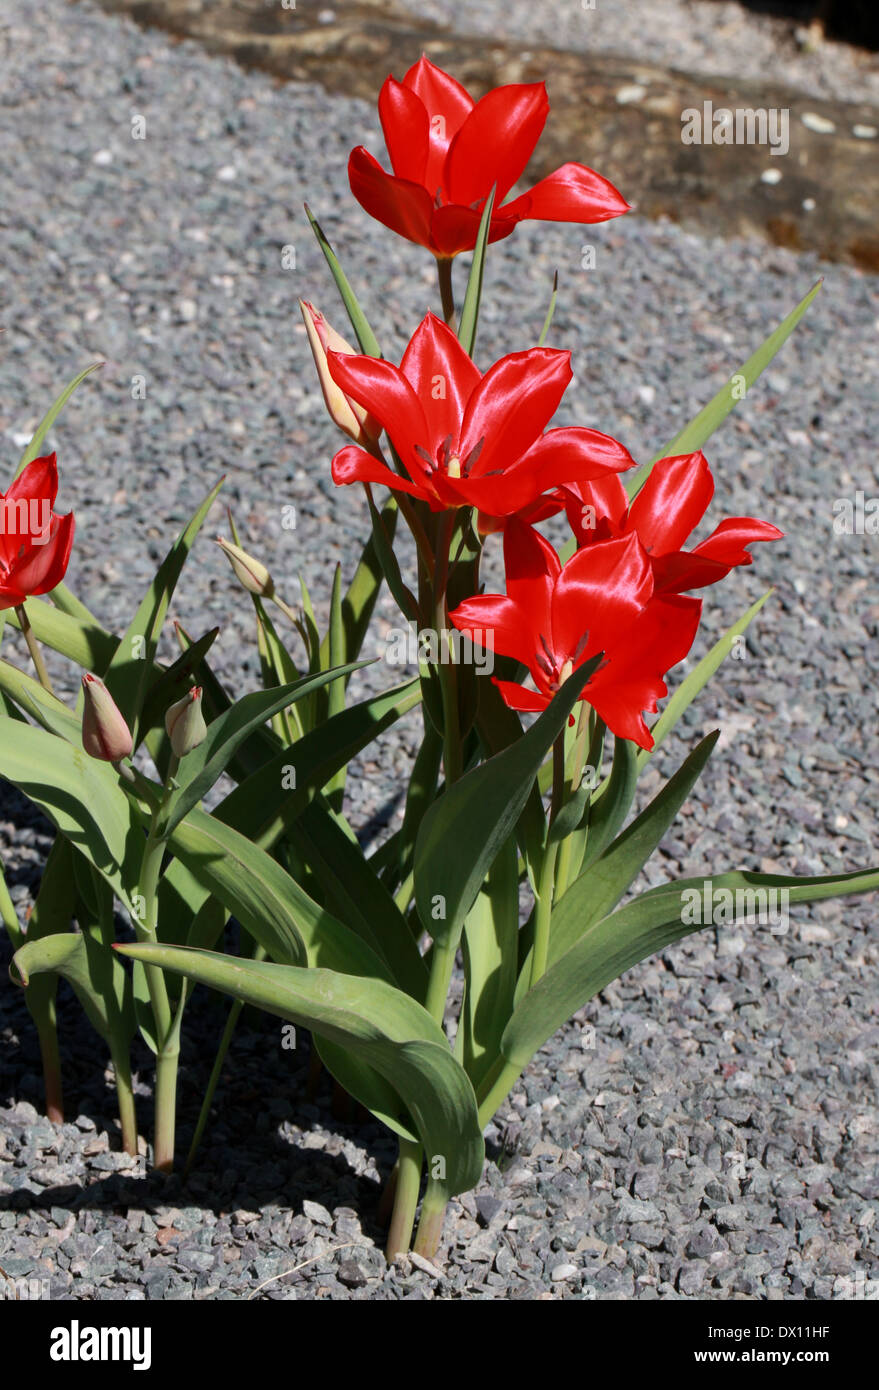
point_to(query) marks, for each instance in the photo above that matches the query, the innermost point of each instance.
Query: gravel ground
(708, 1127)
(700, 36)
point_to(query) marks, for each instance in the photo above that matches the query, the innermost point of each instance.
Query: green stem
(405, 1198)
(166, 1107)
(47, 1033)
(499, 1080)
(33, 647)
(442, 961)
(448, 676)
(125, 1097)
(444, 276)
(430, 1227)
(214, 1078)
(546, 880)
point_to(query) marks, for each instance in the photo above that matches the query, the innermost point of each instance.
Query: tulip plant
(516, 857)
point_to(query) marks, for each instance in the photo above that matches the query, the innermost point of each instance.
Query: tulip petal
(632, 679)
(495, 142)
(601, 590)
(727, 542)
(354, 465)
(520, 697)
(387, 395)
(532, 570)
(37, 480)
(42, 567)
(572, 454)
(496, 624)
(403, 206)
(405, 125)
(512, 405)
(572, 194)
(672, 502)
(447, 106)
(442, 377)
(595, 510)
(454, 229)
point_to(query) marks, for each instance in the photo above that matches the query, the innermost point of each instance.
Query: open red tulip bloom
(448, 152)
(555, 618)
(34, 543)
(464, 438)
(664, 514)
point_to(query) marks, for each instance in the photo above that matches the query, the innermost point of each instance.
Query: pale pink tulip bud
(350, 417)
(184, 723)
(250, 573)
(105, 734)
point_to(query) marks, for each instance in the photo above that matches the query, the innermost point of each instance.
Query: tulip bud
(350, 417)
(105, 734)
(184, 723)
(250, 573)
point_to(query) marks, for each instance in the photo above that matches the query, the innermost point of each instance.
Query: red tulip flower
(665, 512)
(464, 438)
(448, 152)
(34, 542)
(555, 618)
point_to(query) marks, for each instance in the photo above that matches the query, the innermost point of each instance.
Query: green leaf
(361, 595)
(128, 675)
(80, 795)
(353, 890)
(365, 336)
(268, 903)
(699, 431)
(373, 1021)
(651, 922)
(473, 293)
(201, 768)
(698, 678)
(598, 890)
(464, 830)
(89, 972)
(607, 816)
(490, 944)
(89, 646)
(33, 449)
(550, 311)
(264, 803)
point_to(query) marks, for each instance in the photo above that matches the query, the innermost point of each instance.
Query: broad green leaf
(699, 431)
(651, 922)
(370, 1019)
(597, 891)
(130, 671)
(67, 954)
(201, 768)
(89, 646)
(697, 679)
(473, 293)
(490, 943)
(364, 334)
(354, 892)
(273, 796)
(334, 790)
(268, 903)
(607, 816)
(421, 794)
(80, 795)
(464, 830)
(33, 449)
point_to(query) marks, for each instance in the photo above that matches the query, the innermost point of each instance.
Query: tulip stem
(405, 1198)
(33, 647)
(125, 1098)
(444, 275)
(546, 879)
(50, 1055)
